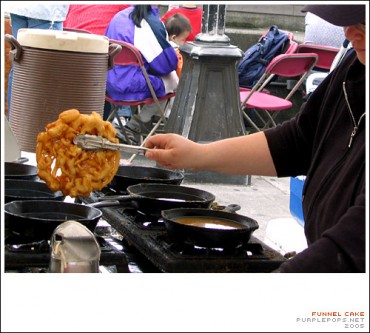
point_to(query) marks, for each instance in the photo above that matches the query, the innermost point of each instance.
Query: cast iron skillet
(210, 236)
(151, 199)
(22, 189)
(128, 175)
(20, 171)
(35, 220)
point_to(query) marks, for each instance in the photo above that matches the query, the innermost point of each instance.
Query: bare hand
(173, 151)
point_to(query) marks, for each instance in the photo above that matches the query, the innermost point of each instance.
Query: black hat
(342, 15)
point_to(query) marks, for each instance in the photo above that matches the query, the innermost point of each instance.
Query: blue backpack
(258, 56)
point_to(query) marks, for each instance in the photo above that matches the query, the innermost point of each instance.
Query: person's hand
(173, 151)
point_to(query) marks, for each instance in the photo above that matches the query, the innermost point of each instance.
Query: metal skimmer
(94, 142)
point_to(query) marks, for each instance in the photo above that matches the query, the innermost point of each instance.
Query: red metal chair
(292, 48)
(267, 104)
(326, 56)
(130, 55)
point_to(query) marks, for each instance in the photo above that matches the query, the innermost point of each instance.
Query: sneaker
(128, 136)
(123, 121)
(137, 125)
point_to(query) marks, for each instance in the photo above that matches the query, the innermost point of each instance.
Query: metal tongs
(94, 142)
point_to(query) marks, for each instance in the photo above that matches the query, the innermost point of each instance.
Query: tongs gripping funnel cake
(94, 142)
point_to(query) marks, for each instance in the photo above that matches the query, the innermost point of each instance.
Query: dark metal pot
(128, 175)
(208, 228)
(22, 189)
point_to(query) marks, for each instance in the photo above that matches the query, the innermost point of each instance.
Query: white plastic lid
(63, 40)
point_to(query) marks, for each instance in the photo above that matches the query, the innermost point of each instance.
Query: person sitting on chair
(95, 19)
(141, 26)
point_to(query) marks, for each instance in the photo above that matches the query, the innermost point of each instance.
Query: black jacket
(317, 143)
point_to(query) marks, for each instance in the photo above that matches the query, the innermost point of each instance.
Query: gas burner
(42, 246)
(183, 248)
(149, 236)
(145, 221)
(34, 257)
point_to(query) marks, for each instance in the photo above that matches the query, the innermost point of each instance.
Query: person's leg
(17, 23)
(125, 111)
(107, 110)
(44, 24)
(143, 122)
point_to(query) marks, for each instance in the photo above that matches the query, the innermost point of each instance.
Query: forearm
(248, 154)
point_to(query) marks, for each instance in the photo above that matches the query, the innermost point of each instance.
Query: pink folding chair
(130, 55)
(266, 105)
(292, 48)
(326, 56)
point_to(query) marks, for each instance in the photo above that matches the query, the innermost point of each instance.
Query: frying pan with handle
(151, 198)
(208, 228)
(15, 170)
(35, 220)
(128, 175)
(22, 189)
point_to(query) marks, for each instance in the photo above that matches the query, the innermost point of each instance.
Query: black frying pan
(35, 220)
(20, 171)
(22, 189)
(128, 175)
(151, 199)
(208, 228)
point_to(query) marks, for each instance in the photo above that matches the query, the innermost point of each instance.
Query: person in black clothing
(325, 141)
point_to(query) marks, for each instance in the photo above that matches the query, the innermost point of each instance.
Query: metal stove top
(35, 257)
(149, 236)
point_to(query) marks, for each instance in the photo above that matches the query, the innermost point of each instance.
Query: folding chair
(326, 56)
(267, 104)
(291, 48)
(130, 55)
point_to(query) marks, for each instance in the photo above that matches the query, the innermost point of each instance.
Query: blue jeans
(19, 22)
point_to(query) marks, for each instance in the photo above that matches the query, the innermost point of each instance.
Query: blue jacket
(128, 82)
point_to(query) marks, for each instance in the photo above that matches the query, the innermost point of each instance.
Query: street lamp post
(207, 105)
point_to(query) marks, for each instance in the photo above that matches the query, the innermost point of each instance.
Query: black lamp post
(207, 105)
